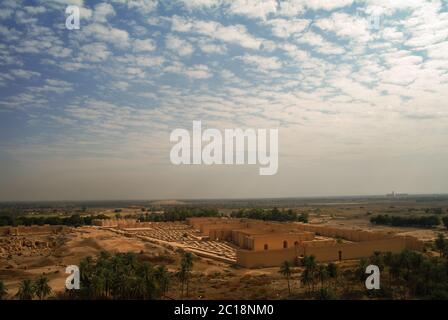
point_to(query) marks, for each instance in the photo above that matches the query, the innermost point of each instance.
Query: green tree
(41, 287)
(441, 244)
(378, 260)
(333, 271)
(321, 274)
(309, 274)
(285, 270)
(186, 265)
(149, 287)
(360, 271)
(182, 276)
(445, 221)
(26, 291)
(163, 279)
(3, 290)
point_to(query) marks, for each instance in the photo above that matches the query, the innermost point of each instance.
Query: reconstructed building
(266, 244)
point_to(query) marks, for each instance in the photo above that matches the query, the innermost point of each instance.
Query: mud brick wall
(270, 258)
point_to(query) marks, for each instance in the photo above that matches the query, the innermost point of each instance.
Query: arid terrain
(214, 274)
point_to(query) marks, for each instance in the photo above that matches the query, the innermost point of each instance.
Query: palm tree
(41, 287)
(309, 262)
(3, 290)
(333, 271)
(147, 275)
(307, 279)
(361, 269)
(163, 279)
(309, 274)
(26, 291)
(441, 243)
(378, 260)
(182, 276)
(321, 274)
(187, 265)
(285, 270)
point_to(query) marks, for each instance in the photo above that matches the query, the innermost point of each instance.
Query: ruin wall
(35, 229)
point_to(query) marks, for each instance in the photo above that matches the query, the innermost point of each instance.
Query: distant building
(394, 194)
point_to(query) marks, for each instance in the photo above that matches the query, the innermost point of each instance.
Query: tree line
(75, 220)
(179, 214)
(417, 221)
(29, 289)
(113, 276)
(271, 215)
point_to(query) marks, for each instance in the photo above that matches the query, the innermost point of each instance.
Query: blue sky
(357, 89)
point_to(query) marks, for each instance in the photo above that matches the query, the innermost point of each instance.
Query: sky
(358, 91)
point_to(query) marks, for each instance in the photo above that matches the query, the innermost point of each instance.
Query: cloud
(235, 34)
(341, 92)
(5, 14)
(115, 36)
(179, 46)
(284, 28)
(120, 85)
(319, 43)
(290, 8)
(208, 47)
(261, 62)
(26, 74)
(53, 85)
(199, 4)
(103, 11)
(346, 26)
(95, 52)
(146, 45)
(326, 5)
(143, 6)
(253, 9)
(198, 71)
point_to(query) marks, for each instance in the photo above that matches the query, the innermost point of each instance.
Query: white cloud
(346, 25)
(146, 45)
(439, 50)
(261, 62)
(198, 71)
(236, 34)
(284, 28)
(325, 4)
(290, 8)
(212, 48)
(120, 85)
(35, 10)
(179, 46)
(5, 14)
(95, 52)
(103, 11)
(200, 4)
(253, 9)
(118, 37)
(319, 43)
(143, 6)
(26, 74)
(53, 85)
